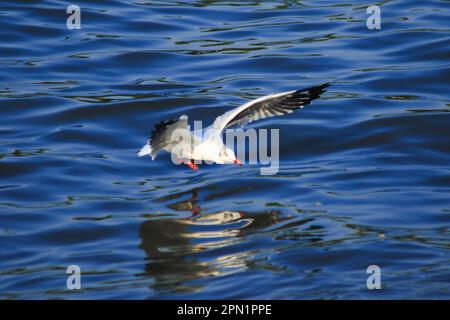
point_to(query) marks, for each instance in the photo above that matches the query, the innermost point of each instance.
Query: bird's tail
(146, 150)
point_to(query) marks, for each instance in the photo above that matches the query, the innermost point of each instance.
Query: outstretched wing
(161, 137)
(269, 106)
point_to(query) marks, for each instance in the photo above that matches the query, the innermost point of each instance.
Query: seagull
(208, 144)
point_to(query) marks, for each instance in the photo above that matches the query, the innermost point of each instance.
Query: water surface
(364, 176)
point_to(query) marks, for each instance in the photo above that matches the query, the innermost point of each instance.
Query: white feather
(146, 150)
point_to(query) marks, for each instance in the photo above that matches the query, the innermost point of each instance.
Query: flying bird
(208, 144)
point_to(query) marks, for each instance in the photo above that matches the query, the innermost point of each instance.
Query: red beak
(237, 161)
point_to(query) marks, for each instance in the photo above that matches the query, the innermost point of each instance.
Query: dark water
(364, 177)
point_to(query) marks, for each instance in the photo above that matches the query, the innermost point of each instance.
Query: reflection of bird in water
(173, 246)
(190, 204)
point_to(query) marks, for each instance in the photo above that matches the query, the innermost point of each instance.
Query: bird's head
(226, 155)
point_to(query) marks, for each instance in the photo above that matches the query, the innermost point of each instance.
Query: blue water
(364, 176)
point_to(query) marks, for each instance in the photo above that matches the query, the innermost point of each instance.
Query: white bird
(208, 145)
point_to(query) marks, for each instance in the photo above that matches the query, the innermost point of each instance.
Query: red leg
(195, 211)
(192, 165)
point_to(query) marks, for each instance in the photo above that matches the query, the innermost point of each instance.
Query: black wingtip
(318, 88)
(160, 128)
(325, 85)
(313, 92)
(322, 87)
